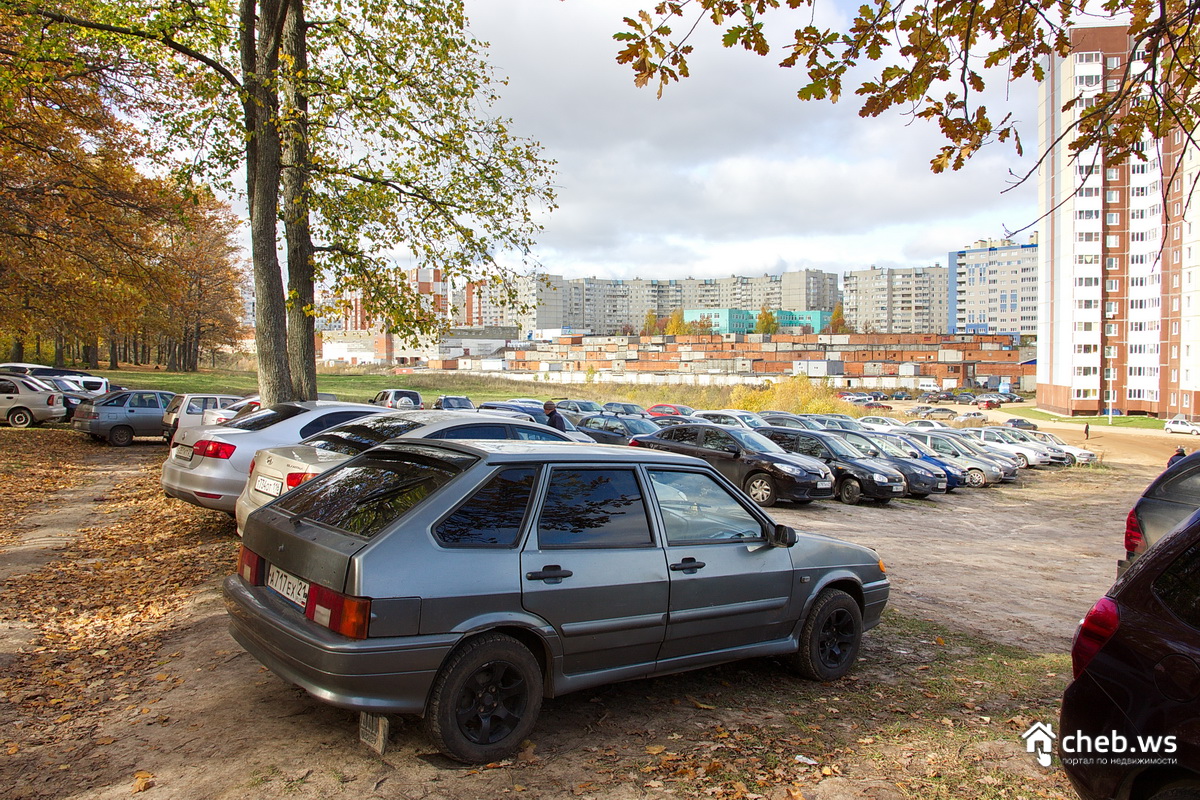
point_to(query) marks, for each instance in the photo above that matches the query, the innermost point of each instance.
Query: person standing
(553, 418)
(1086, 429)
(1180, 453)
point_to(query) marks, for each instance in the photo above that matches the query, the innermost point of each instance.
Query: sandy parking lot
(105, 696)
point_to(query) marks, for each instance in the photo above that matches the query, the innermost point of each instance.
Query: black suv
(856, 475)
(1128, 724)
(762, 468)
(1168, 500)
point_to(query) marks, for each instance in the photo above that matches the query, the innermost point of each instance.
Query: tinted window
(1178, 587)
(640, 426)
(695, 508)
(535, 435)
(716, 440)
(7, 386)
(117, 400)
(593, 423)
(266, 417)
(493, 515)
(810, 447)
(682, 435)
(593, 508)
(325, 421)
(372, 491)
(361, 434)
(473, 432)
(1184, 487)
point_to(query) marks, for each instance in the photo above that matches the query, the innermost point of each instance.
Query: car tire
(976, 479)
(121, 436)
(1071, 460)
(20, 418)
(485, 700)
(830, 638)
(850, 492)
(1184, 790)
(761, 488)
(1022, 461)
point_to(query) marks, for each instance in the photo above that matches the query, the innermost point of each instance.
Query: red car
(664, 409)
(986, 404)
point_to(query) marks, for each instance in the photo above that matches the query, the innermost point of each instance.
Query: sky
(729, 173)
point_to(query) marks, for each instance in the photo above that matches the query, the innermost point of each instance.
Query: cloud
(728, 172)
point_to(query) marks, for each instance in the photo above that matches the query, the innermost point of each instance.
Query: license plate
(267, 485)
(288, 585)
(941, 484)
(183, 452)
(897, 488)
(824, 484)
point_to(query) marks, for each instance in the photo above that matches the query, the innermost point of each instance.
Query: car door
(597, 428)
(719, 449)
(144, 413)
(592, 569)
(728, 589)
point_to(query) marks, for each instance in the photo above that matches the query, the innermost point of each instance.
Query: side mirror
(782, 536)
(733, 450)
(872, 452)
(914, 454)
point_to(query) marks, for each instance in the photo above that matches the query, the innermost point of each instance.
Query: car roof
(502, 451)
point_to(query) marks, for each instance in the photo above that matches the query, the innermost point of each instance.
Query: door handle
(551, 573)
(688, 566)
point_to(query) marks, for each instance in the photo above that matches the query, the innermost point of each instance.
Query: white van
(928, 385)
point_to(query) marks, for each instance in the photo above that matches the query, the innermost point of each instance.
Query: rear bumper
(388, 675)
(186, 485)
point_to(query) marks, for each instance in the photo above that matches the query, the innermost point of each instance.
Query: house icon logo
(1040, 739)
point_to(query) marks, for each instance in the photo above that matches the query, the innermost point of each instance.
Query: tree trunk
(301, 329)
(112, 350)
(59, 346)
(260, 58)
(17, 353)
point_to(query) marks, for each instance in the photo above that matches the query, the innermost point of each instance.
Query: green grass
(1146, 423)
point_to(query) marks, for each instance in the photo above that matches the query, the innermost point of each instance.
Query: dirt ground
(120, 677)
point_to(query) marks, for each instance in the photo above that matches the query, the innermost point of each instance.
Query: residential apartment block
(994, 288)
(607, 306)
(898, 300)
(1119, 258)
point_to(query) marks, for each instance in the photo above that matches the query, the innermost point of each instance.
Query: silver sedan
(209, 465)
(276, 470)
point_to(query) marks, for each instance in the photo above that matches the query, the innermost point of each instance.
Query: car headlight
(791, 469)
(879, 477)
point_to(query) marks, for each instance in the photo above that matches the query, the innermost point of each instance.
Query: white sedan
(1181, 425)
(208, 466)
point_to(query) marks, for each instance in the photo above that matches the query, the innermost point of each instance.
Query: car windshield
(843, 448)
(639, 425)
(755, 442)
(456, 402)
(1020, 436)
(920, 447)
(1052, 438)
(266, 417)
(752, 420)
(888, 446)
(361, 434)
(1007, 437)
(589, 406)
(371, 492)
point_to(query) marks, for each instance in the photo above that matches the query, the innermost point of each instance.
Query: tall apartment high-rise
(1119, 256)
(898, 300)
(993, 288)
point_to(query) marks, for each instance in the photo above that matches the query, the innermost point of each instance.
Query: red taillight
(207, 448)
(250, 566)
(1094, 632)
(635, 443)
(52, 400)
(1135, 541)
(294, 479)
(251, 470)
(341, 613)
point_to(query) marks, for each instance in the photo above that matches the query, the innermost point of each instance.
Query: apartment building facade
(1119, 255)
(606, 306)
(898, 300)
(994, 288)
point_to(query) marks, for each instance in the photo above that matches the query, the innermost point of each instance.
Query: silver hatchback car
(465, 581)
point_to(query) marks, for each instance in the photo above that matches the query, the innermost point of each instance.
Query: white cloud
(728, 172)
